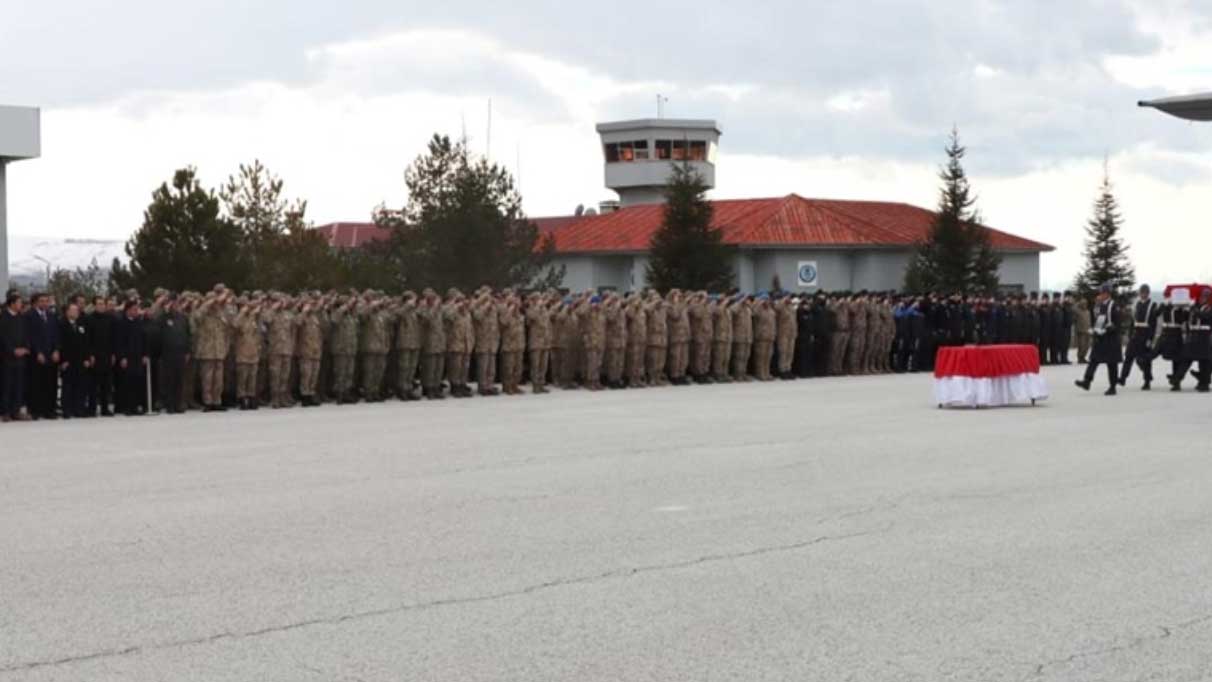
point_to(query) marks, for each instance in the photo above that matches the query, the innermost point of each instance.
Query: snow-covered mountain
(28, 257)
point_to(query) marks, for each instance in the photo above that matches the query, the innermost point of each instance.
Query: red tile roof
(790, 221)
(776, 222)
(350, 235)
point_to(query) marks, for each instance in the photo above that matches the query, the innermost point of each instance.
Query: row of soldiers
(215, 350)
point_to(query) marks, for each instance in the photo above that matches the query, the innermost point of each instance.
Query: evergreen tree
(464, 226)
(956, 255)
(184, 242)
(282, 251)
(687, 252)
(1106, 253)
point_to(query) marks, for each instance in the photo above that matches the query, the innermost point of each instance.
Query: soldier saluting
(1107, 350)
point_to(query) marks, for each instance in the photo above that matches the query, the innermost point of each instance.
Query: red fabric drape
(985, 362)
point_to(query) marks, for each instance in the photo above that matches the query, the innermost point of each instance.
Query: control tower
(20, 138)
(639, 155)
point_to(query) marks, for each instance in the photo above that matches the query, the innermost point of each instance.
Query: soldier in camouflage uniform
(840, 343)
(765, 329)
(513, 343)
(374, 344)
(592, 321)
(616, 340)
(310, 348)
(701, 335)
(538, 340)
(566, 331)
(679, 338)
(459, 341)
(721, 346)
(408, 346)
(344, 320)
(485, 315)
(857, 350)
(433, 344)
(283, 326)
(248, 354)
(786, 330)
(211, 325)
(742, 337)
(657, 314)
(636, 321)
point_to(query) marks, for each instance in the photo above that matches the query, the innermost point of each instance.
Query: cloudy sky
(825, 99)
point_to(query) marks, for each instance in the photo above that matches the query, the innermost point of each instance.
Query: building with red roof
(799, 243)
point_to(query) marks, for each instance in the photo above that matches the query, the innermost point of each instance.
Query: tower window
(641, 150)
(679, 150)
(612, 153)
(663, 150)
(698, 150)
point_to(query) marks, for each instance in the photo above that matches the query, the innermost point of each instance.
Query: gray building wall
(755, 270)
(1020, 269)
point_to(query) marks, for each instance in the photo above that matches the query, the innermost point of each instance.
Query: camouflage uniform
(636, 320)
(538, 342)
(457, 322)
(211, 323)
(592, 321)
(408, 347)
(344, 323)
(701, 334)
(856, 353)
(486, 319)
(721, 347)
(874, 333)
(786, 332)
(565, 328)
(310, 348)
(679, 339)
(841, 337)
(433, 347)
(765, 328)
(374, 344)
(282, 328)
(616, 342)
(742, 338)
(247, 330)
(513, 346)
(658, 340)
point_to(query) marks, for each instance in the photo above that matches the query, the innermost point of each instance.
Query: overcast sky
(825, 99)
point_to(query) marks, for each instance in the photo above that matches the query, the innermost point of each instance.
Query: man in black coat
(1140, 341)
(101, 347)
(1066, 328)
(175, 343)
(1107, 350)
(74, 361)
(14, 354)
(130, 350)
(1198, 346)
(43, 326)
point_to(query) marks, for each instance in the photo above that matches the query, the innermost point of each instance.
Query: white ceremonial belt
(1200, 328)
(1139, 325)
(1171, 326)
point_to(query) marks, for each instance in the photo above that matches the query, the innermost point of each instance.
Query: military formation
(218, 350)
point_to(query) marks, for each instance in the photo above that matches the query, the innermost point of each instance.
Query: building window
(626, 152)
(698, 151)
(679, 150)
(663, 150)
(641, 150)
(612, 153)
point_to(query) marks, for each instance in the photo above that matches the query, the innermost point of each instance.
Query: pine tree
(687, 252)
(1106, 253)
(956, 255)
(184, 243)
(464, 226)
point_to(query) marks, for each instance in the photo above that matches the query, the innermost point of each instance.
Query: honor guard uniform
(1169, 344)
(1107, 349)
(1198, 346)
(1140, 343)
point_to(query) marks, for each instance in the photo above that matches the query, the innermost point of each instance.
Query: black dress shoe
(1082, 385)
(1146, 387)
(1109, 391)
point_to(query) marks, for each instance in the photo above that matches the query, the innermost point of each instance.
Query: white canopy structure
(1190, 107)
(20, 138)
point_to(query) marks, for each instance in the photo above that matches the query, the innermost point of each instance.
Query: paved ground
(820, 530)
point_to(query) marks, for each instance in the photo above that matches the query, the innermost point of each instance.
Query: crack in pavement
(1165, 632)
(618, 573)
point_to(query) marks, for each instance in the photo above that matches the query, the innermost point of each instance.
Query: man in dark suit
(130, 352)
(175, 344)
(74, 361)
(101, 348)
(14, 349)
(43, 328)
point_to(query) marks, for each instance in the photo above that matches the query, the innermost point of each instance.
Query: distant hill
(28, 256)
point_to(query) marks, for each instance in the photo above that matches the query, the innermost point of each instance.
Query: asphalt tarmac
(831, 529)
